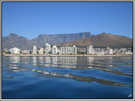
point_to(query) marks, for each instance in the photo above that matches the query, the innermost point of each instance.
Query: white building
(81, 50)
(41, 51)
(55, 49)
(47, 48)
(25, 51)
(68, 50)
(74, 49)
(99, 51)
(109, 51)
(90, 50)
(15, 50)
(129, 51)
(34, 51)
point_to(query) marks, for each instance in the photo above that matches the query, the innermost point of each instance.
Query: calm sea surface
(67, 77)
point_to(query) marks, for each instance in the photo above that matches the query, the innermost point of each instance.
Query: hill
(104, 40)
(79, 39)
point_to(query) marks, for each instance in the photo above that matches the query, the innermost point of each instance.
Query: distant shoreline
(51, 55)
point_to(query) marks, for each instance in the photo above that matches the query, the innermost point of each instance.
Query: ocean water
(67, 77)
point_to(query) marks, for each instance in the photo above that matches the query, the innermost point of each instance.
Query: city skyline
(30, 19)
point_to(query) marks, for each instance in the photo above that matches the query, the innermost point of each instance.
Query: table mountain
(104, 40)
(14, 40)
(82, 39)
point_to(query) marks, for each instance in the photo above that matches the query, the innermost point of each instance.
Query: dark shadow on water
(79, 78)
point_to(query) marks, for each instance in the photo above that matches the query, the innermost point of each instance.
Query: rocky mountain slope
(80, 39)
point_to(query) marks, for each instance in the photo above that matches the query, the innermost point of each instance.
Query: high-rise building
(74, 49)
(54, 49)
(47, 48)
(34, 51)
(90, 50)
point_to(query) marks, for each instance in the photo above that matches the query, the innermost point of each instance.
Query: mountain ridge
(82, 39)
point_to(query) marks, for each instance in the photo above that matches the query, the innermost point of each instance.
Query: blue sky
(30, 19)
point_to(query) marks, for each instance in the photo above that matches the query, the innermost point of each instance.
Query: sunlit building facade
(15, 50)
(47, 48)
(41, 51)
(68, 50)
(55, 49)
(90, 50)
(34, 51)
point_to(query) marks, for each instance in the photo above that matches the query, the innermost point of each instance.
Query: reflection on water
(90, 60)
(41, 59)
(107, 71)
(14, 59)
(34, 58)
(69, 62)
(26, 60)
(48, 60)
(16, 68)
(80, 78)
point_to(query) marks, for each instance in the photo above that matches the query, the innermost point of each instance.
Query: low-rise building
(15, 50)
(5, 51)
(99, 51)
(81, 50)
(41, 51)
(129, 51)
(25, 51)
(68, 50)
(109, 51)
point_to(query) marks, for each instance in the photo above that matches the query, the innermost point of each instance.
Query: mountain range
(79, 39)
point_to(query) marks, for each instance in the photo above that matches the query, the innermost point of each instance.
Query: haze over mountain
(82, 39)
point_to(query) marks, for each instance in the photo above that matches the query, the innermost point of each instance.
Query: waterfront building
(90, 50)
(74, 49)
(99, 51)
(47, 48)
(115, 51)
(102, 51)
(41, 51)
(25, 51)
(68, 50)
(129, 51)
(109, 51)
(15, 50)
(81, 50)
(121, 51)
(5, 51)
(55, 49)
(34, 51)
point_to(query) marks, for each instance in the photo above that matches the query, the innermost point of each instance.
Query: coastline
(51, 55)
